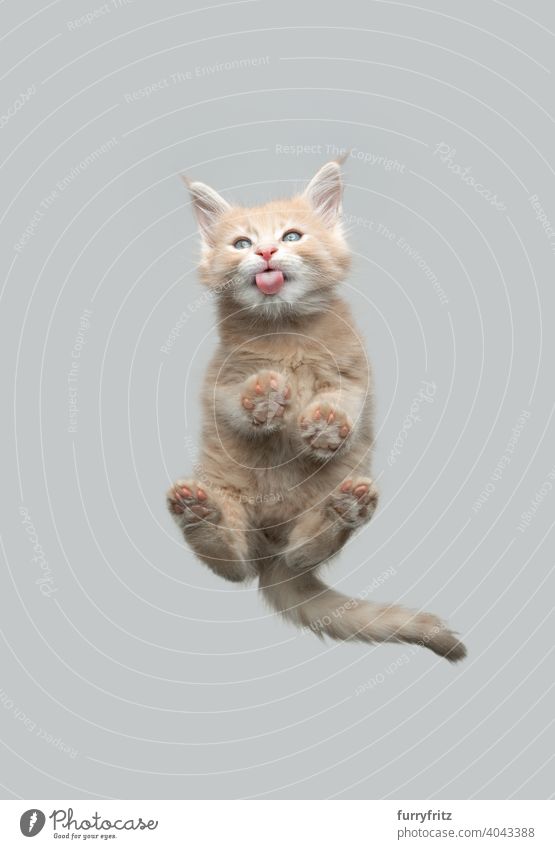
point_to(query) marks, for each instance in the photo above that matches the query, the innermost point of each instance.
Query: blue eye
(241, 244)
(292, 236)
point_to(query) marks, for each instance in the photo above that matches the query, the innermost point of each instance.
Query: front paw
(325, 428)
(264, 399)
(190, 505)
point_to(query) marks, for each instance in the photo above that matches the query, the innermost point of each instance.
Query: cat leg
(323, 531)
(214, 527)
(330, 422)
(290, 584)
(257, 406)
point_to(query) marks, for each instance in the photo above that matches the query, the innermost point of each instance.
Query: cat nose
(266, 252)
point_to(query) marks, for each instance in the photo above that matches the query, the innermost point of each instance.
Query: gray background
(132, 671)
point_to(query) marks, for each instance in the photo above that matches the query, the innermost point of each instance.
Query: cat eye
(241, 244)
(291, 236)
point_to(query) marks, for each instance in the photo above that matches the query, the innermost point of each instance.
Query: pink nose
(266, 252)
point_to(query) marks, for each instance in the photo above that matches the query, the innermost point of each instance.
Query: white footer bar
(279, 824)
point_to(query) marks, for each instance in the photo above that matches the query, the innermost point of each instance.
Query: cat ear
(208, 206)
(324, 192)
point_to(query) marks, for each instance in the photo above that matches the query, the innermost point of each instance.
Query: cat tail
(305, 600)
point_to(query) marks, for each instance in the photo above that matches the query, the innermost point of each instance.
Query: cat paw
(264, 399)
(324, 428)
(189, 504)
(355, 501)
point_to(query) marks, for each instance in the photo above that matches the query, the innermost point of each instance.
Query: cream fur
(283, 479)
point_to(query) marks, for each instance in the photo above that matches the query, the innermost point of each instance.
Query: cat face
(280, 259)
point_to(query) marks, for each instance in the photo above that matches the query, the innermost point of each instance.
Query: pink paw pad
(325, 428)
(189, 501)
(355, 501)
(265, 396)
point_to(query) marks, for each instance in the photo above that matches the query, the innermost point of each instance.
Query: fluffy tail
(308, 602)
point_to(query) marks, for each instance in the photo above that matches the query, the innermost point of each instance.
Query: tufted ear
(208, 206)
(325, 191)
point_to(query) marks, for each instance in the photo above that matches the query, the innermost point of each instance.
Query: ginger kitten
(283, 479)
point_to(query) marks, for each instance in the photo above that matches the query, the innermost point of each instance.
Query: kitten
(287, 416)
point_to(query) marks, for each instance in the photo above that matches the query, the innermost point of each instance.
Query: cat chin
(296, 298)
(277, 309)
(277, 312)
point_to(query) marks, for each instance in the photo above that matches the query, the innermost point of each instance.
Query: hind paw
(355, 501)
(189, 504)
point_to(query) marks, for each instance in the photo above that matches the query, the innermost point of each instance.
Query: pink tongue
(269, 282)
